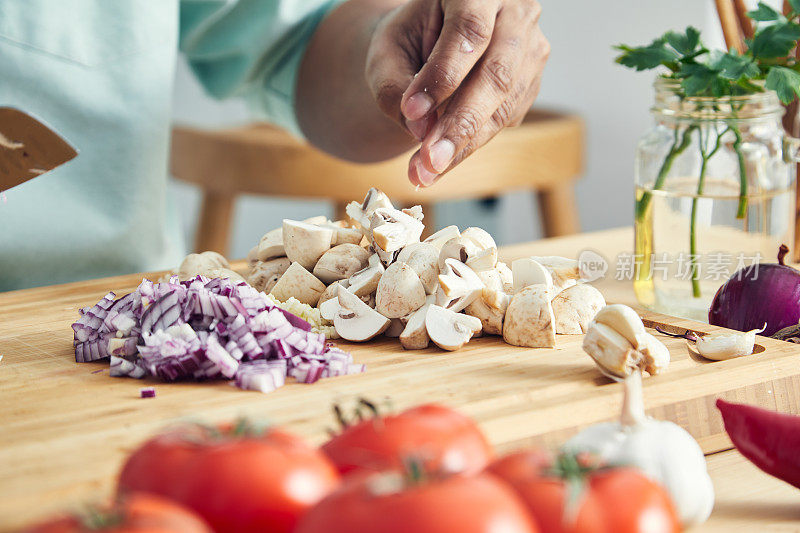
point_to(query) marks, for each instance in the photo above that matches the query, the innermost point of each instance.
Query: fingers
(492, 92)
(466, 32)
(390, 66)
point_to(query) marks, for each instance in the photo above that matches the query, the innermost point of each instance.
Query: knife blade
(28, 148)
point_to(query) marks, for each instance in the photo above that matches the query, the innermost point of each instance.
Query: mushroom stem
(633, 402)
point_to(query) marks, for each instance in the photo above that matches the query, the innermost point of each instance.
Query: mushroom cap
(305, 243)
(264, 274)
(400, 291)
(197, 264)
(566, 272)
(449, 330)
(459, 286)
(300, 283)
(331, 292)
(529, 318)
(480, 237)
(442, 236)
(424, 259)
(365, 282)
(356, 321)
(527, 271)
(392, 229)
(415, 334)
(457, 248)
(575, 307)
(490, 309)
(221, 272)
(271, 245)
(341, 262)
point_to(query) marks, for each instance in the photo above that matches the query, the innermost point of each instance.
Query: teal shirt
(100, 72)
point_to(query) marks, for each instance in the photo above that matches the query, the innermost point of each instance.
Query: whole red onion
(757, 294)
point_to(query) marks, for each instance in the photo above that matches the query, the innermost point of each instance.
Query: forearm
(336, 109)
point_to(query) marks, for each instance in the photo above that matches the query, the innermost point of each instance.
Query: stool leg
(429, 220)
(559, 210)
(339, 212)
(214, 229)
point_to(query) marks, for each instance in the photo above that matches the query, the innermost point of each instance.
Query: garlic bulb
(664, 451)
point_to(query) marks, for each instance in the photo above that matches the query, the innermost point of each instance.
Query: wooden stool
(544, 154)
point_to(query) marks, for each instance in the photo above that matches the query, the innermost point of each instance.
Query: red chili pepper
(770, 440)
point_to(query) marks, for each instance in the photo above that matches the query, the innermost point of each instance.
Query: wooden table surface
(64, 429)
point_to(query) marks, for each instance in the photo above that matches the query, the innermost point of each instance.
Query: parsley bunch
(767, 64)
(702, 72)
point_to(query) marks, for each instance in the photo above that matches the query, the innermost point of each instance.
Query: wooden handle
(730, 25)
(744, 21)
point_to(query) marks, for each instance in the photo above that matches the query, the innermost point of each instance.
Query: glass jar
(714, 192)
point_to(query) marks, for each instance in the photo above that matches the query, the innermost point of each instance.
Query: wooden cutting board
(66, 427)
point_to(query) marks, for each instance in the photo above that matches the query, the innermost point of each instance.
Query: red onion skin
(744, 303)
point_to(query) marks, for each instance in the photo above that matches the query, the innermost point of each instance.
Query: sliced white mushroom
(365, 282)
(400, 291)
(252, 256)
(613, 353)
(199, 264)
(271, 245)
(450, 330)
(356, 321)
(575, 307)
(439, 238)
(300, 283)
(506, 276)
(330, 307)
(424, 259)
(331, 292)
(529, 319)
(566, 272)
(459, 286)
(319, 220)
(341, 262)
(220, 272)
(392, 229)
(722, 346)
(395, 329)
(344, 235)
(655, 356)
(527, 271)
(265, 274)
(480, 237)
(483, 260)
(305, 243)
(490, 308)
(624, 321)
(415, 212)
(457, 248)
(415, 334)
(360, 213)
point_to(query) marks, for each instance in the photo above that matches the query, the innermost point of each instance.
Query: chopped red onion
(205, 329)
(147, 392)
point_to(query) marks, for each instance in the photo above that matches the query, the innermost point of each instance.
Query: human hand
(455, 73)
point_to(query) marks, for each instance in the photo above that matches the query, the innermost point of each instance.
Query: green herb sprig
(767, 64)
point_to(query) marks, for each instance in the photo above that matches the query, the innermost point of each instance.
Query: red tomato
(455, 504)
(137, 513)
(238, 482)
(614, 500)
(443, 440)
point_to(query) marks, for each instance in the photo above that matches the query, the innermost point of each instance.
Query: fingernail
(442, 153)
(426, 177)
(418, 128)
(417, 106)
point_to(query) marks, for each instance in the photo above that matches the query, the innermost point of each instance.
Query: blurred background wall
(580, 77)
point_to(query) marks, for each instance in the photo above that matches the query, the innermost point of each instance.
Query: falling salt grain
(3, 197)
(147, 392)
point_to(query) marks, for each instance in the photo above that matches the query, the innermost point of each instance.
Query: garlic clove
(624, 321)
(723, 346)
(612, 352)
